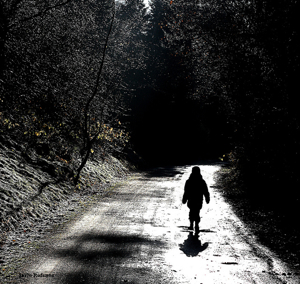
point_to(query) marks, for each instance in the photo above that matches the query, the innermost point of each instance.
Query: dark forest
(174, 82)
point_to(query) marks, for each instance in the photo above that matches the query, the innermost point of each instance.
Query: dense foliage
(61, 77)
(258, 44)
(221, 77)
(171, 121)
(243, 60)
(188, 79)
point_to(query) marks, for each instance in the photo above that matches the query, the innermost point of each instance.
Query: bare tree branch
(43, 12)
(88, 141)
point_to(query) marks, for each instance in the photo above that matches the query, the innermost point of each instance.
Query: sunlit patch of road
(138, 234)
(225, 250)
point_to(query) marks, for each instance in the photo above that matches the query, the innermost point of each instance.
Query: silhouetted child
(194, 190)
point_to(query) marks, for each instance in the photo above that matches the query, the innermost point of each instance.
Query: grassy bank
(32, 186)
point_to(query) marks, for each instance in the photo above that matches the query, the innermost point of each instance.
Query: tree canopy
(184, 79)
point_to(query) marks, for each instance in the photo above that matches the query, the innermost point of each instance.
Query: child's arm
(185, 197)
(206, 192)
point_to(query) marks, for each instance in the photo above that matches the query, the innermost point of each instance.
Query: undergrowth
(275, 227)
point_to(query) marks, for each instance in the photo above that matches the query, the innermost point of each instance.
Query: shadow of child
(192, 245)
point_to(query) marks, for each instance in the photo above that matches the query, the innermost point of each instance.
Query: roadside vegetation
(30, 191)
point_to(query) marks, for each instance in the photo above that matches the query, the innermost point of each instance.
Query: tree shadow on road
(94, 246)
(192, 246)
(163, 172)
(103, 258)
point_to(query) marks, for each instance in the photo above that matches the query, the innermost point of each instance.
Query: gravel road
(138, 234)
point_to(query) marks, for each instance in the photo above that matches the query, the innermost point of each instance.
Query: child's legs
(194, 215)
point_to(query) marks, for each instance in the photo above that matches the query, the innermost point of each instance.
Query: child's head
(196, 171)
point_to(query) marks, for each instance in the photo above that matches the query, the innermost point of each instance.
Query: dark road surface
(138, 234)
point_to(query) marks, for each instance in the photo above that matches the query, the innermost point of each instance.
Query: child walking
(194, 190)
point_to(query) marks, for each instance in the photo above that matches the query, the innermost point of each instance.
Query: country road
(138, 234)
